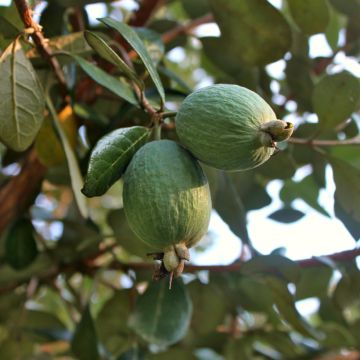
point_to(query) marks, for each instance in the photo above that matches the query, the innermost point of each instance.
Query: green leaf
(314, 282)
(285, 304)
(197, 8)
(335, 98)
(227, 58)
(298, 70)
(337, 336)
(162, 316)
(106, 52)
(286, 215)
(206, 299)
(277, 265)
(256, 29)
(112, 329)
(352, 226)
(153, 44)
(7, 29)
(347, 181)
(125, 236)
(21, 99)
(20, 245)
(116, 86)
(333, 29)
(110, 157)
(133, 39)
(348, 288)
(84, 343)
(348, 7)
(279, 166)
(311, 16)
(230, 207)
(306, 189)
(75, 174)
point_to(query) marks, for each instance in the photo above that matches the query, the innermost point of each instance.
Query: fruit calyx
(275, 131)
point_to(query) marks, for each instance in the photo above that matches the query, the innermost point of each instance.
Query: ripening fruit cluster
(166, 194)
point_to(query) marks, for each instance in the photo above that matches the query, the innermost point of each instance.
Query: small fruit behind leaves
(229, 127)
(167, 200)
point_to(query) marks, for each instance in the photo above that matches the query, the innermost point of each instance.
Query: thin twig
(40, 41)
(320, 143)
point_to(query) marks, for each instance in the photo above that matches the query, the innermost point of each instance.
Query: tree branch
(145, 11)
(41, 43)
(16, 194)
(314, 142)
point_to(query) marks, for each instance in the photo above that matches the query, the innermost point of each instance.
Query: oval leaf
(133, 39)
(286, 215)
(311, 16)
(347, 181)
(20, 245)
(335, 98)
(116, 86)
(106, 52)
(84, 342)
(253, 28)
(162, 316)
(110, 156)
(22, 100)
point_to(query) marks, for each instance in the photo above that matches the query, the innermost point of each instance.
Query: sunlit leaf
(110, 157)
(105, 51)
(111, 83)
(133, 39)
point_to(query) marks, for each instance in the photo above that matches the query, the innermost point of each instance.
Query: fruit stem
(275, 131)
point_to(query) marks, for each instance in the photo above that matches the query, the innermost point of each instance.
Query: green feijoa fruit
(229, 127)
(167, 200)
(110, 156)
(20, 245)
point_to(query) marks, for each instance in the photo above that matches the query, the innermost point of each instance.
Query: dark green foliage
(81, 286)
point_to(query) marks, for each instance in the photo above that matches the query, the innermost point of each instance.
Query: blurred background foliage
(81, 289)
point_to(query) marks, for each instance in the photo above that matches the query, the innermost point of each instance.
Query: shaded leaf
(227, 58)
(348, 288)
(110, 157)
(348, 7)
(279, 166)
(163, 25)
(306, 189)
(84, 343)
(174, 354)
(22, 99)
(349, 222)
(333, 29)
(286, 215)
(75, 174)
(106, 52)
(111, 83)
(153, 44)
(285, 304)
(311, 16)
(230, 207)
(111, 322)
(337, 336)
(313, 282)
(209, 307)
(335, 97)
(125, 236)
(133, 39)
(162, 316)
(7, 29)
(197, 8)
(347, 181)
(299, 81)
(277, 265)
(20, 245)
(255, 27)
